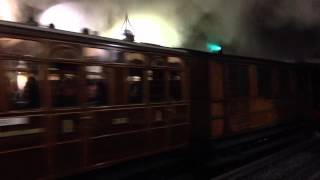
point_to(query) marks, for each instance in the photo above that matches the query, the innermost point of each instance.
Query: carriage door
(237, 97)
(23, 147)
(66, 112)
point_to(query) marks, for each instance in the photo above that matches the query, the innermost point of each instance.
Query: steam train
(72, 102)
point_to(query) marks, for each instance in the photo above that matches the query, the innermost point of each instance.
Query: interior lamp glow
(21, 81)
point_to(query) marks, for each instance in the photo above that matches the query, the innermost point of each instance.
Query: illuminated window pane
(134, 58)
(174, 62)
(22, 85)
(97, 54)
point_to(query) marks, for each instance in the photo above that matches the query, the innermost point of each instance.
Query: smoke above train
(278, 29)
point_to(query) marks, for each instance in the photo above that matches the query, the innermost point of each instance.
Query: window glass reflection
(157, 85)
(158, 61)
(97, 91)
(64, 85)
(97, 54)
(134, 58)
(135, 85)
(174, 62)
(22, 85)
(20, 47)
(175, 85)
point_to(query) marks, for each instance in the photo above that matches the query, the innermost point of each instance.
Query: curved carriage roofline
(238, 58)
(14, 28)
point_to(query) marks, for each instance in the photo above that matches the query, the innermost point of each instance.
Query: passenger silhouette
(31, 93)
(67, 95)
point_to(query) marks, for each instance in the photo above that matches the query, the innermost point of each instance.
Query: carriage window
(238, 80)
(175, 62)
(20, 47)
(135, 85)
(97, 54)
(22, 85)
(157, 85)
(64, 85)
(175, 86)
(134, 58)
(264, 77)
(158, 61)
(96, 84)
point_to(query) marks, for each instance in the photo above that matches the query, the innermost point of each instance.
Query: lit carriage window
(64, 84)
(175, 62)
(11, 46)
(156, 79)
(175, 85)
(135, 85)
(134, 58)
(22, 87)
(96, 85)
(97, 54)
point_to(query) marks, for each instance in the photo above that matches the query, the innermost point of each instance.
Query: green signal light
(212, 47)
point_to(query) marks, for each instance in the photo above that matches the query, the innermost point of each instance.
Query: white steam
(181, 23)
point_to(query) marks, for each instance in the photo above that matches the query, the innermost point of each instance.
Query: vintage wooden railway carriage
(242, 94)
(71, 102)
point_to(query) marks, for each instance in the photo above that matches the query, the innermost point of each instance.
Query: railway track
(301, 161)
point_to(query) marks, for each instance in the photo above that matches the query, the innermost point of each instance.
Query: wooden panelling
(30, 133)
(217, 127)
(68, 158)
(217, 110)
(159, 139)
(26, 164)
(67, 126)
(116, 147)
(263, 118)
(178, 114)
(216, 76)
(253, 81)
(179, 135)
(115, 121)
(239, 122)
(158, 116)
(261, 104)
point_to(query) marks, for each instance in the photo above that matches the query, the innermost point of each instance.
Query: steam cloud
(262, 28)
